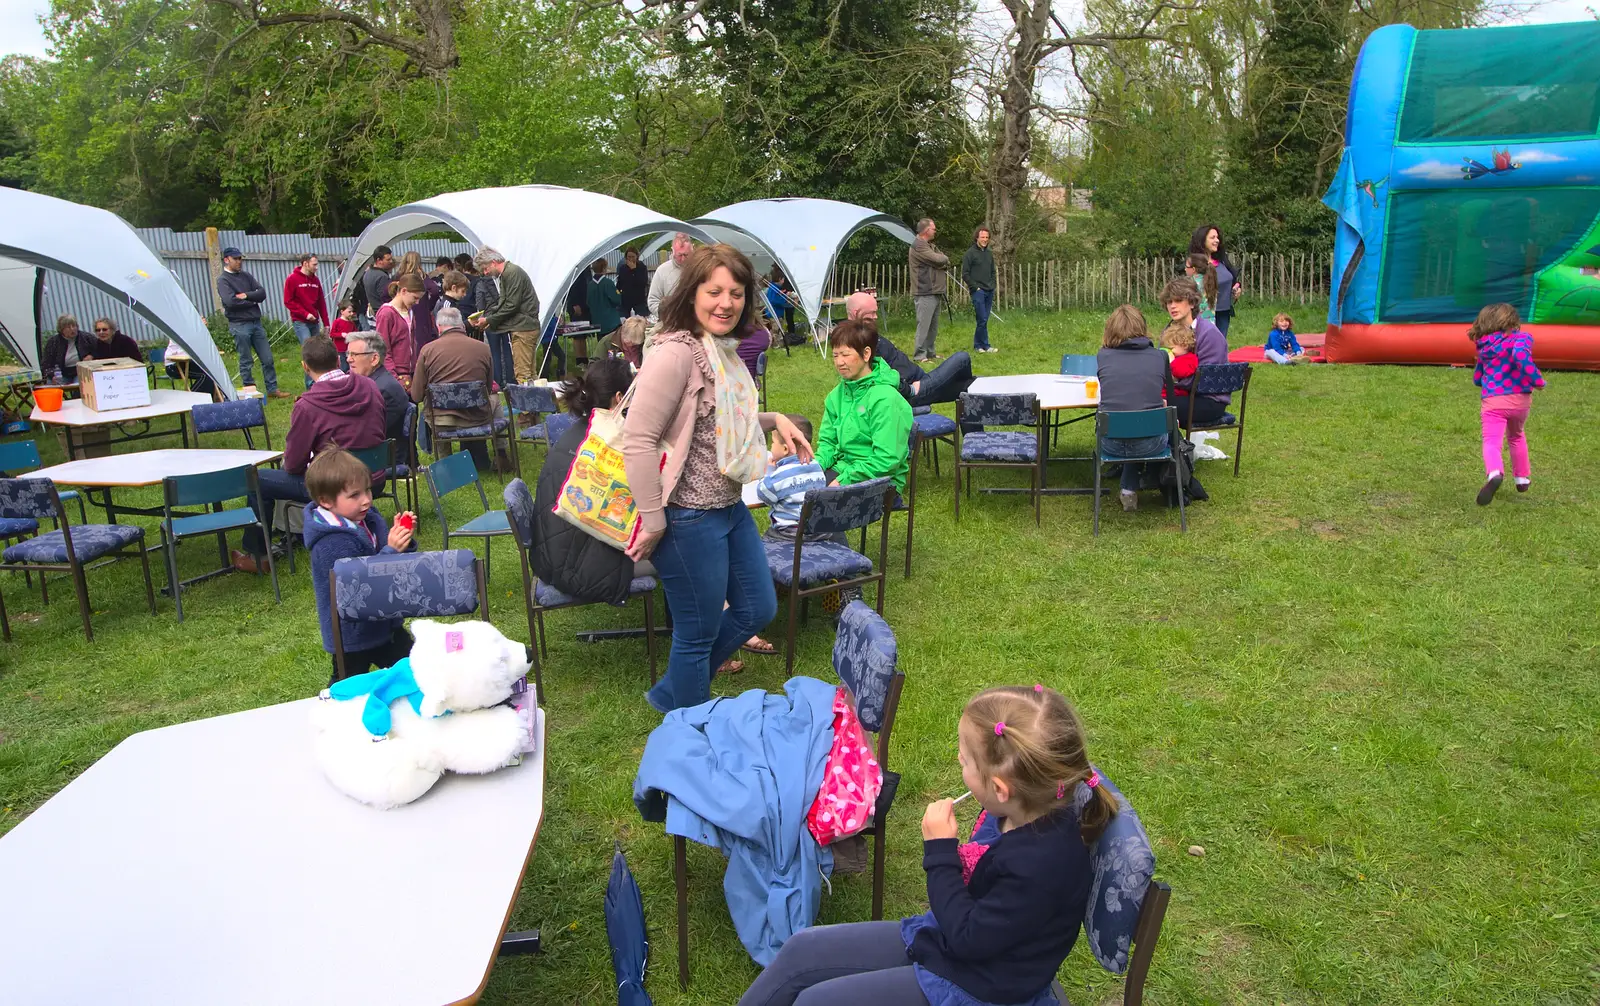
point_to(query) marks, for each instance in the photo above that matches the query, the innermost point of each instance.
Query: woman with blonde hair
(1134, 375)
(695, 396)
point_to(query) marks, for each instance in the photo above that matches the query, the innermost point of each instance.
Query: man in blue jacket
(241, 304)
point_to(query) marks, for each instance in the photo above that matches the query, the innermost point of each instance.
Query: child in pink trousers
(1508, 376)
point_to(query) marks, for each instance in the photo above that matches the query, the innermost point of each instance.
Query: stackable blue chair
(245, 414)
(212, 489)
(1130, 425)
(457, 471)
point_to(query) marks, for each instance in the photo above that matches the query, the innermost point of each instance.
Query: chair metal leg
(5, 623)
(879, 833)
(544, 647)
(1098, 466)
(149, 587)
(1238, 445)
(680, 874)
(958, 491)
(1177, 474)
(272, 570)
(788, 642)
(650, 633)
(169, 548)
(81, 586)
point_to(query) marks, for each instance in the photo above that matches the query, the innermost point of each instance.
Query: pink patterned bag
(851, 780)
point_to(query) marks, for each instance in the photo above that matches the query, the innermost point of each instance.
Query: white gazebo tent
(803, 236)
(551, 231)
(40, 232)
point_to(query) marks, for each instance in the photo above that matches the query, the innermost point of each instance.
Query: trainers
(1130, 501)
(1523, 485)
(1490, 487)
(987, 349)
(279, 394)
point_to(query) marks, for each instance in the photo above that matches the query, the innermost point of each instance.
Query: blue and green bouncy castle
(1471, 176)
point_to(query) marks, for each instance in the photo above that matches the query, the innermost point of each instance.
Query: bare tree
(423, 31)
(1037, 35)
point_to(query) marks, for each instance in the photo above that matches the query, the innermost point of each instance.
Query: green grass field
(1371, 701)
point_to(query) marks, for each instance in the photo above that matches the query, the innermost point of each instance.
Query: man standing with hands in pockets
(929, 269)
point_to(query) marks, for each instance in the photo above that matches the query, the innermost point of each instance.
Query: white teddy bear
(386, 736)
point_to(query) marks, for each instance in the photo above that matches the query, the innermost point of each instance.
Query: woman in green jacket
(866, 422)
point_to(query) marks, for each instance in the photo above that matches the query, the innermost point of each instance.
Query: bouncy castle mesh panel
(1450, 251)
(1542, 85)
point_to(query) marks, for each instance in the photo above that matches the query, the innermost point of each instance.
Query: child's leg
(1515, 421)
(1494, 432)
(824, 953)
(1275, 356)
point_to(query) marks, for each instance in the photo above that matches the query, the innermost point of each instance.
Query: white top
(211, 862)
(1055, 391)
(662, 283)
(148, 468)
(163, 402)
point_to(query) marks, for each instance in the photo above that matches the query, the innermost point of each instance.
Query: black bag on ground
(1195, 491)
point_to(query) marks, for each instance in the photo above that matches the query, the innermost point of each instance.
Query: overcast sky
(20, 33)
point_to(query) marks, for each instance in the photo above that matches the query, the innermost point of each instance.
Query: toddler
(341, 525)
(1508, 376)
(999, 934)
(1199, 268)
(783, 489)
(343, 327)
(1179, 340)
(1282, 346)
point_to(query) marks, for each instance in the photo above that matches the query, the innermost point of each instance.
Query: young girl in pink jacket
(1507, 376)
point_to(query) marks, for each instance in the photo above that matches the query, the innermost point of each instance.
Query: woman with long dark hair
(1207, 241)
(695, 396)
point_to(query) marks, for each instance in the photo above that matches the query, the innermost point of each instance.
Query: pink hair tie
(1093, 780)
(1000, 728)
(1038, 689)
(1061, 790)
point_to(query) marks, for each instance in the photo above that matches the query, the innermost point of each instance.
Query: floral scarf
(741, 448)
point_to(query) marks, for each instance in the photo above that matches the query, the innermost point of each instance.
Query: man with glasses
(110, 344)
(365, 352)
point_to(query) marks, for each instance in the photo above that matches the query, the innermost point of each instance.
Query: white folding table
(143, 469)
(75, 416)
(211, 862)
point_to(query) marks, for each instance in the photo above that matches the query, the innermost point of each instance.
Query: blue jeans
(705, 558)
(276, 484)
(505, 371)
(1224, 319)
(304, 330)
(982, 304)
(1132, 447)
(252, 335)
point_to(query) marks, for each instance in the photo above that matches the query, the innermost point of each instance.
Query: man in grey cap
(455, 357)
(241, 304)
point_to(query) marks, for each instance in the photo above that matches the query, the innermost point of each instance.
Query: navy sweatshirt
(1003, 936)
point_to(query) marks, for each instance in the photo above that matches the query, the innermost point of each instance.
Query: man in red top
(302, 295)
(340, 409)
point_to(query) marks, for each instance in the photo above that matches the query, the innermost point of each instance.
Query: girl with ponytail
(1003, 916)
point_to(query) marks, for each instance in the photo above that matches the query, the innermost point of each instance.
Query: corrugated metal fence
(268, 257)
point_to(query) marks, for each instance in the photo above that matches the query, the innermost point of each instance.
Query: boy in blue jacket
(341, 525)
(1282, 346)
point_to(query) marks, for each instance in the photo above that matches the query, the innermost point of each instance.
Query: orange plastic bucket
(48, 399)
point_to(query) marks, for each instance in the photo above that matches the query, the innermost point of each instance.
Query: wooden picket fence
(1299, 278)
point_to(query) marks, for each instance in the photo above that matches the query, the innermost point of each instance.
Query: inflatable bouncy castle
(1471, 175)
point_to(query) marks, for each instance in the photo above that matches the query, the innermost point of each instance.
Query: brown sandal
(751, 647)
(730, 666)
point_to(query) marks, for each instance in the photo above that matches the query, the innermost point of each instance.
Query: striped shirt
(785, 485)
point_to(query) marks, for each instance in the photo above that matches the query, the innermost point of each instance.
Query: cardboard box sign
(106, 385)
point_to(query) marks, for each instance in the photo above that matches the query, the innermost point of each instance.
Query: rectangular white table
(142, 469)
(211, 862)
(74, 415)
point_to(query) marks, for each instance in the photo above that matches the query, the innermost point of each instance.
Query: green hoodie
(866, 429)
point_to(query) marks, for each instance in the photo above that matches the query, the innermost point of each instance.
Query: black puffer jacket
(566, 557)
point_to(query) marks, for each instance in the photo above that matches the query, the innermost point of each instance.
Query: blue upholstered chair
(532, 400)
(807, 568)
(371, 588)
(245, 414)
(1000, 448)
(405, 468)
(1126, 904)
(1134, 425)
(865, 657)
(932, 429)
(1221, 379)
(462, 396)
(20, 457)
(541, 597)
(456, 471)
(212, 489)
(67, 549)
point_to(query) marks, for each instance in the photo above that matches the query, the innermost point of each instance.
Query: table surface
(148, 468)
(751, 498)
(163, 402)
(1055, 391)
(211, 862)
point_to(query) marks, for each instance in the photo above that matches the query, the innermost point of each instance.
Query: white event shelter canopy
(803, 236)
(551, 231)
(97, 246)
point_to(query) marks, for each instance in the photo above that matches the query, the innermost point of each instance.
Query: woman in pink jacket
(393, 321)
(695, 397)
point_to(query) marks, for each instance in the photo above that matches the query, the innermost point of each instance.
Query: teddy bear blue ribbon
(380, 688)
